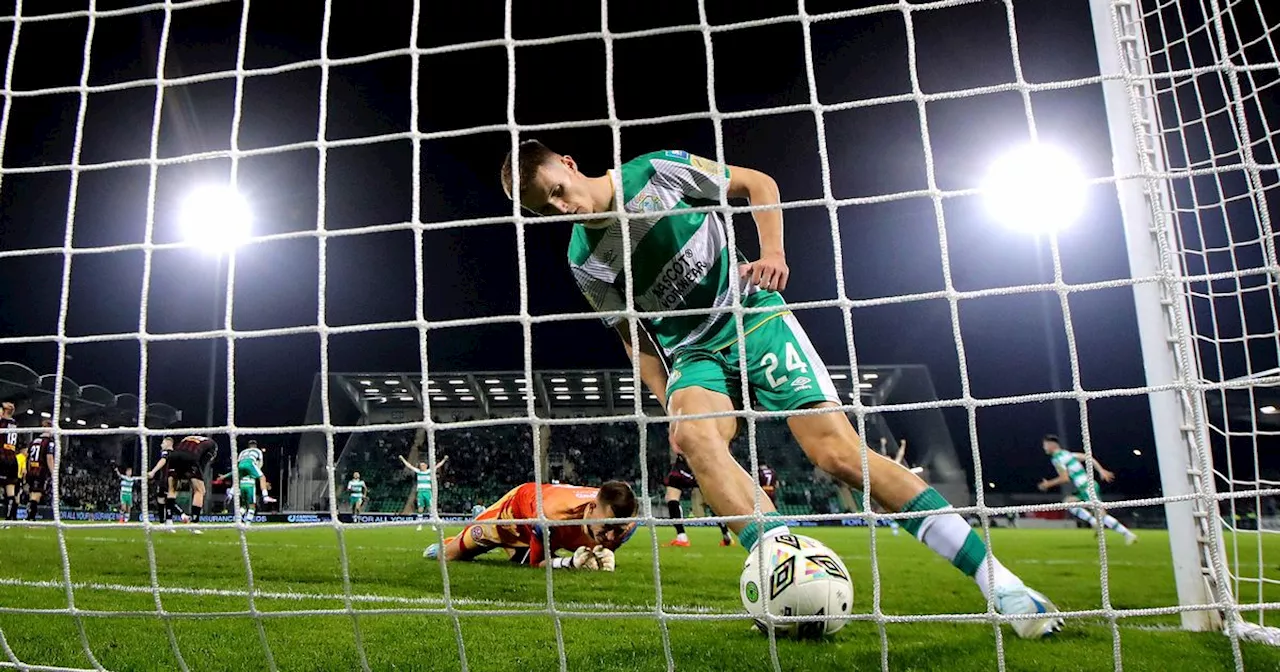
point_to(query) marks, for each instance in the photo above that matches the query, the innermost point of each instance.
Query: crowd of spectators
(485, 462)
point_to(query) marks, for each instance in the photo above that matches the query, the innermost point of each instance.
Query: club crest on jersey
(647, 202)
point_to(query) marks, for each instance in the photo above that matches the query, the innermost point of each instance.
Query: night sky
(889, 248)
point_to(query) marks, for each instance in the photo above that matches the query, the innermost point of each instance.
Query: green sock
(946, 533)
(751, 533)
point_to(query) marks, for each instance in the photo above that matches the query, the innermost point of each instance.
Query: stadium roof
(507, 392)
(87, 405)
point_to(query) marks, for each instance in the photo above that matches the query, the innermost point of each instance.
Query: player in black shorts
(10, 468)
(40, 468)
(186, 461)
(679, 479)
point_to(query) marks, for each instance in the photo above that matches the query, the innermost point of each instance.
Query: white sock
(682, 537)
(990, 568)
(1084, 515)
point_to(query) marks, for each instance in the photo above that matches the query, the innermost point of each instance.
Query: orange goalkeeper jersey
(559, 502)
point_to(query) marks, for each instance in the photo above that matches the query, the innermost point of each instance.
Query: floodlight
(216, 218)
(1036, 188)
(1269, 410)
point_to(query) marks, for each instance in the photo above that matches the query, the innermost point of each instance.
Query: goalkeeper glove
(604, 557)
(582, 558)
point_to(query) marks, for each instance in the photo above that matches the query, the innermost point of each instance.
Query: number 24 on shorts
(793, 362)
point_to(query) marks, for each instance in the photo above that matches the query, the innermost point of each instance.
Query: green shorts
(424, 499)
(784, 372)
(249, 491)
(127, 500)
(248, 468)
(356, 499)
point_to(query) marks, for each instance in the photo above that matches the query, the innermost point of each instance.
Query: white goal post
(1179, 75)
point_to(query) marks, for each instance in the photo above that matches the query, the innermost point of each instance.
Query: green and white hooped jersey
(356, 488)
(126, 485)
(253, 455)
(423, 479)
(681, 261)
(1075, 470)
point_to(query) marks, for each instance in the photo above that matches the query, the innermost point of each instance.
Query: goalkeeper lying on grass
(592, 543)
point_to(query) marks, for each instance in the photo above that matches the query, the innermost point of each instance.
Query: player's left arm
(770, 270)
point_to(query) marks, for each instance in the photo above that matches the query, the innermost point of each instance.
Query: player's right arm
(1054, 482)
(653, 371)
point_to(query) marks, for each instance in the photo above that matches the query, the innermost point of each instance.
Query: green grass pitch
(202, 579)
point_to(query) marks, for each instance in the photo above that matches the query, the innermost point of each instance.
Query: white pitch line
(375, 599)
(272, 544)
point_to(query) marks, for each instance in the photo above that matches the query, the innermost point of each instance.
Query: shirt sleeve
(691, 175)
(601, 295)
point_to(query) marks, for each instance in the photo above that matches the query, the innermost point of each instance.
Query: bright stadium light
(1269, 410)
(1036, 188)
(216, 218)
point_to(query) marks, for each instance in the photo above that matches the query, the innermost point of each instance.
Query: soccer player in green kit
(249, 471)
(1071, 470)
(424, 474)
(682, 260)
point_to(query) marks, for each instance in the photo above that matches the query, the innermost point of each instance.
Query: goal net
(1189, 92)
(1199, 83)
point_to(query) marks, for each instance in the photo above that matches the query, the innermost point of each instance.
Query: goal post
(1139, 92)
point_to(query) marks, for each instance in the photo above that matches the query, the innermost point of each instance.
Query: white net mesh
(1214, 67)
(1199, 96)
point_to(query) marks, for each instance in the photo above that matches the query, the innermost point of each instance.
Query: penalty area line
(429, 601)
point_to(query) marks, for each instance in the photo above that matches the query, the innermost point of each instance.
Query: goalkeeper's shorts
(783, 369)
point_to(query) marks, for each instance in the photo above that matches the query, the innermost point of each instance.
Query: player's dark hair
(1053, 438)
(252, 443)
(619, 498)
(532, 155)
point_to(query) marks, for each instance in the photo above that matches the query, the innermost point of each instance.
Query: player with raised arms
(681, 259)
(41, 456)
(424, 475)
(358, 489)
(1071, 470)
(127, 481)
(186, 461)
(591, 544)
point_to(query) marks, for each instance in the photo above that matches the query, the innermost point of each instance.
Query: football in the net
(800, 577)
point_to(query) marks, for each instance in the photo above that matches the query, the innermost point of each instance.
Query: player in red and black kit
(186, 461)
(10, 475)
(40, 468)
(769, 482)
(679, 479)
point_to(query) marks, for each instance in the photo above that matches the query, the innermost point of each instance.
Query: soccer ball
(802, 578)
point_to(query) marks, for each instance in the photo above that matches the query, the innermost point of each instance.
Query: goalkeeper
(592, 543)
(680, 259)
